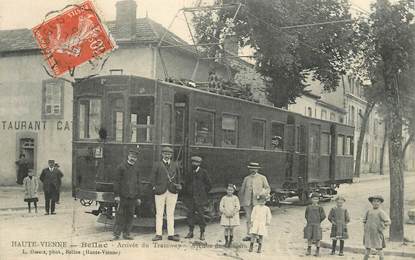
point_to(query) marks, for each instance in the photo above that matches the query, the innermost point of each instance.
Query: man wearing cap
(197, 186)
(126, 193)
(253, 186)
(166, 182)
(51, 179)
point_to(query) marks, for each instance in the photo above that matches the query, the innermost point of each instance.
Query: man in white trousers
(166, 181)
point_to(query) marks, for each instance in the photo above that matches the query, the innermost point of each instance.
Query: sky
(16, 14)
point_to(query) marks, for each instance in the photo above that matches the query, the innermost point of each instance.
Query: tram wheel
(86, 203)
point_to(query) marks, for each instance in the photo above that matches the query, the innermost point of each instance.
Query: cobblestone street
(80, 231)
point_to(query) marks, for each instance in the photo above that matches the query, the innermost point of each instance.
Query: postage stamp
(73, 37)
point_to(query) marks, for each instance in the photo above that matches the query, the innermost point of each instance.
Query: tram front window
(89, 118)
(141, 119)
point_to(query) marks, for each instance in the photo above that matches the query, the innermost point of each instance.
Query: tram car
(115, 113)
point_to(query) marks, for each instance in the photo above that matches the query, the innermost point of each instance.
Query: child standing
(339, 218)
(31, 185)
(375, 222)
(314, 214)
(260, 218)
(229, 207)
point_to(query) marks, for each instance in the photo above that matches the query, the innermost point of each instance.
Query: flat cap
(376, 197)
(51, 161)
(253, 165)
(134, 150)
(196, 158)
(167, 149)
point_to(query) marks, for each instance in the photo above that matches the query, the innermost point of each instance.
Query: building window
(277, 136)
(258, 133)
(309, 112)
(204, 125)
(332, 116)
(325, 144)
(352, 116)
(366, 157)
(323, 114)
(52, 99)
(340, 145)
(229, 130)
(341, 119)
(89, 118)
(141, 119)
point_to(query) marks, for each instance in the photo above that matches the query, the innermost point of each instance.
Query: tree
(284, 56)
(388, 46)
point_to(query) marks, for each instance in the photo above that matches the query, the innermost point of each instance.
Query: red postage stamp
(72, 38)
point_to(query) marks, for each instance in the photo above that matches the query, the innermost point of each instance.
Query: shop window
(89, 118)
(325, 144)
(229, 130)
(277, 136)
(340, 145)
(141, 119)
(204, 125)
(258, 133)
(52, 99)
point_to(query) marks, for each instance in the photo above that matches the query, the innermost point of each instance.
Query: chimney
(230, 44)
(126, 19)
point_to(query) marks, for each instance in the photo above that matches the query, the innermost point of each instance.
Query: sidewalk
(12, 199)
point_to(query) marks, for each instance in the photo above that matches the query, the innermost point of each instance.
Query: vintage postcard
(207, 129)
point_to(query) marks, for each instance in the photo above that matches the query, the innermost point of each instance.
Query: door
(181, 129)
(314, 153)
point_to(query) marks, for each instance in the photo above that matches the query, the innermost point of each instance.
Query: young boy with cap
(375, 222)
(314, 214)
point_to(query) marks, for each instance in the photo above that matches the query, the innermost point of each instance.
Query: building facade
(36, 110)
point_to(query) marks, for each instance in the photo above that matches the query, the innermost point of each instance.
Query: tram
(114, 113)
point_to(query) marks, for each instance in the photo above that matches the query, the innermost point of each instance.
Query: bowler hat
(196, 158)
(167, 149)
(314, 195)
(51, 161)
(253, 165)
(376, 197)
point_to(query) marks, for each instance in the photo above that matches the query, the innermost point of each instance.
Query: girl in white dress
(260, 218)
(229, 207)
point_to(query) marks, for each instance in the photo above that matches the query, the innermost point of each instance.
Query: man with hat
(254, 185)
(51, 179)
(197, 187)
(166, 182)
(126, 194)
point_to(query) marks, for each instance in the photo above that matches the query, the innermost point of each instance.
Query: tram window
(229, 130)
(258, 133)
(204, 127)
(325, 144)
(119, 126)
(349, 146)
(166, 124)
(277, 139)
(340, 145)
(89, 118)
(300, 139)
(141, 119)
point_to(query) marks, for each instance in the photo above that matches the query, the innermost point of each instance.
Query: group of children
(375, 221)
(260, 218)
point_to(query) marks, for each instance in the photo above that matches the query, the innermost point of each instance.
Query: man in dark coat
(166, 182)
(22, 168)
(126, 193)
(197, 186)
(51, 179)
